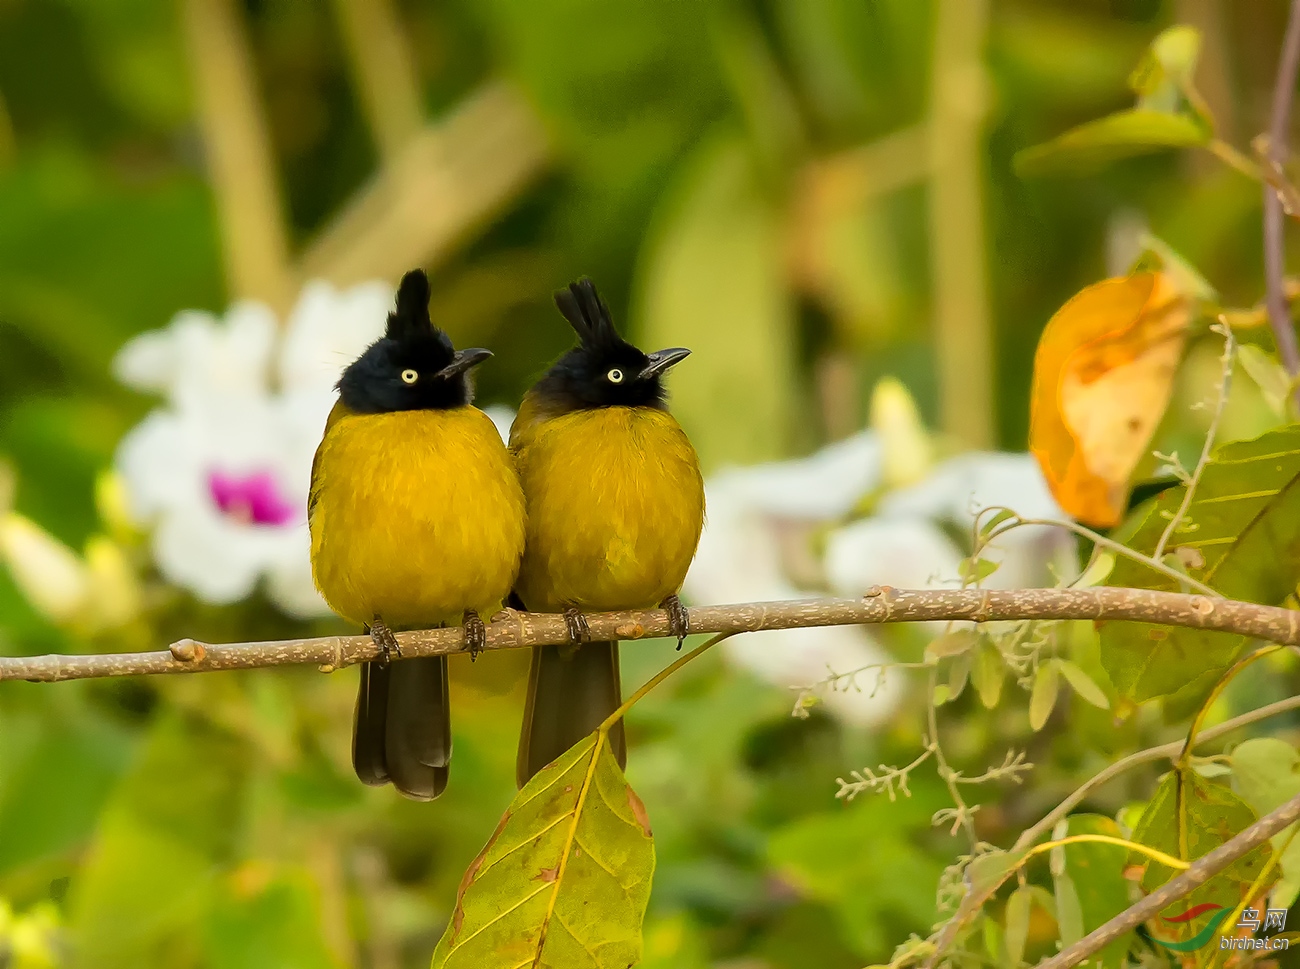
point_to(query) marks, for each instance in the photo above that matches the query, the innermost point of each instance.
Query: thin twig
(1189, 491)
(1205, 868)
(1274, 242)
(513, 630)
(1101, 541)
(961, 814)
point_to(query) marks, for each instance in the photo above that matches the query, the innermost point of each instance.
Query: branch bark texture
(512, 630)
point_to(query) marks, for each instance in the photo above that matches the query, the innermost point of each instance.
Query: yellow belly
(416, 516)
(615, 508)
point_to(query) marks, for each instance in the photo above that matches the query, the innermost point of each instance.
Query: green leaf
(989, 870)
(1266, 773)
(1166, 68)
(1098, 569)
(712, 280)
(954, 643)
(1241, 536)
(988, 673)
(1042, 698)
(1158, 256)
(1138, 131)
(1189, 810)
(1069, 910)
(1017, 923)
(1096, 873)
(975, 569)
(564, 880)
(987, 525)
(1083, 684)
(959, 674)
(1269, 375)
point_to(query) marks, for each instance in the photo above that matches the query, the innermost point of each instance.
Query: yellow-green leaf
(1266, 773)
(1241, 536)
(987, 673)
(959, 673)
(1269, 375)
(954, 643)
(1069, 911)
(563, 882)
(1138, 131)
(1167, 66)
(1017, 924)
(1083, 684)
(1047, 682)
(1187, 817)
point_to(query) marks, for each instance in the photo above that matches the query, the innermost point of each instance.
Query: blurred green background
(810, 193)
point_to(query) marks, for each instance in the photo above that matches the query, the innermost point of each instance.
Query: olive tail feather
(571, 692)
(402, 730)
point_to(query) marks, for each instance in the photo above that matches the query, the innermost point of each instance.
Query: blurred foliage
(714, 171)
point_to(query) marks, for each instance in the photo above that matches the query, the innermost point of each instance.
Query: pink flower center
(253, 499)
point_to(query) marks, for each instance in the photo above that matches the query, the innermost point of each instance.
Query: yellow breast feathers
(615, 507)
(414, 515)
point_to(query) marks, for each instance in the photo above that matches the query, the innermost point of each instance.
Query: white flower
(740, 560)
(759, 544)
(962, 486)
(222, 471)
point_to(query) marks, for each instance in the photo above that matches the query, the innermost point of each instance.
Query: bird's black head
(603, 370)
(413, 366)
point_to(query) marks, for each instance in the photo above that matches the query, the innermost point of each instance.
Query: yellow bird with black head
(417, 520)
(615, 509)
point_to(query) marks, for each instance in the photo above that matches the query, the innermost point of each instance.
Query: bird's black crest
(413, 346)
(411, 317)
(583, 377)
(588, 315)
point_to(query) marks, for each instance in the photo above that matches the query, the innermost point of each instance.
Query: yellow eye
(409, 376)
(615, 376)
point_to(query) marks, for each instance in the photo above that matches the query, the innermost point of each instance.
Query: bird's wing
(338, 411)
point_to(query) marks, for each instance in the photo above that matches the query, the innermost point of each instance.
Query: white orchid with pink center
(220, 472)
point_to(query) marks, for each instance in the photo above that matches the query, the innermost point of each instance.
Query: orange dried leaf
(1103, 375)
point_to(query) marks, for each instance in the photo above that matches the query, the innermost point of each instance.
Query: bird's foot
(383, 637)
(679, 623)
(475, 633)
(576, 623)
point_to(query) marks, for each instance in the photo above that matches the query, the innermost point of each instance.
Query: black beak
(462, 360)
(661, 360)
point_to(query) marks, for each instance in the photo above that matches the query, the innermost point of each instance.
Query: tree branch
(1205, 868)
(449, 179)
(1274, 243)
(513, 630)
